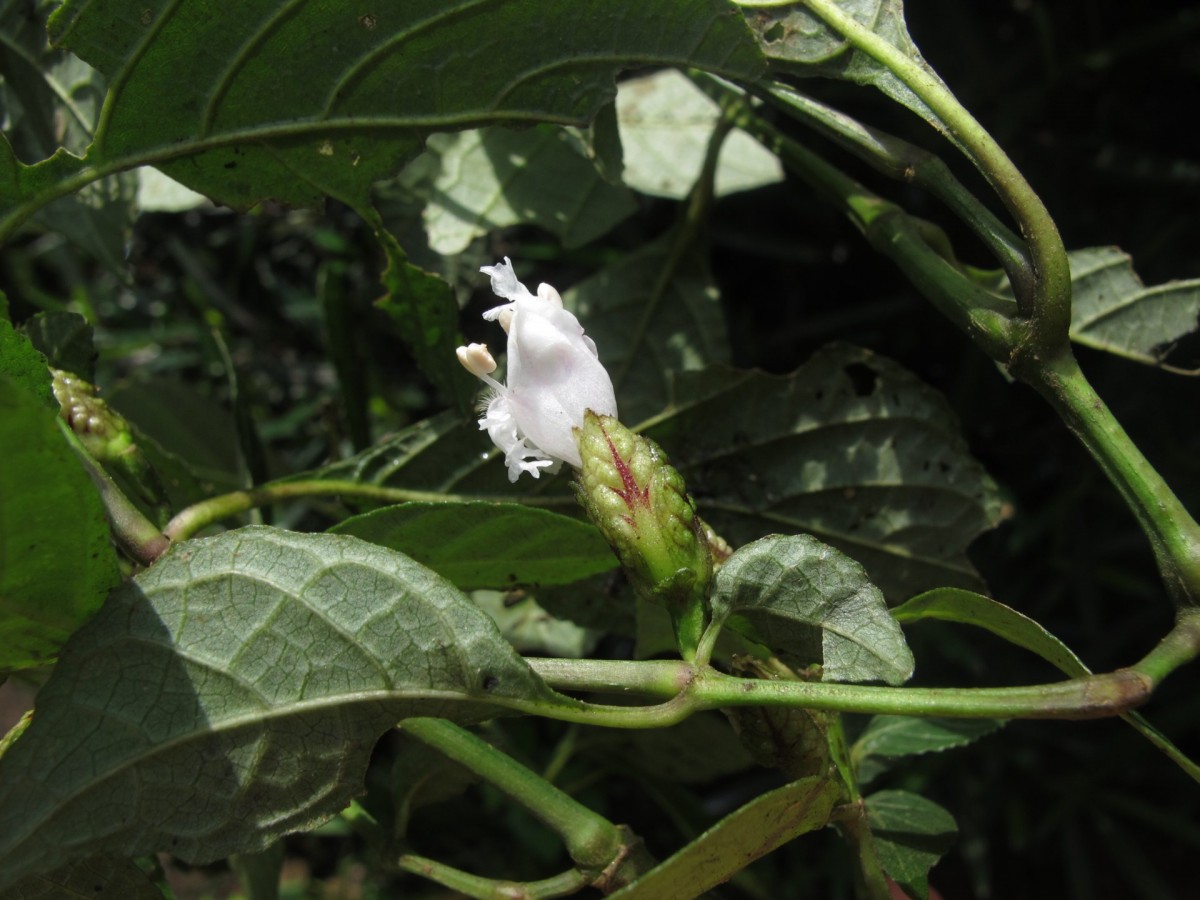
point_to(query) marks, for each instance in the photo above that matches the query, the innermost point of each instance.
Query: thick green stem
(1048, 307)
(208, 512)
(593, 842)
(1173, 533)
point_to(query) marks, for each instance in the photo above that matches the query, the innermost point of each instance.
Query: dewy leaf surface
(487, 545)
(232, 693)
(293, 100)
(811, 604)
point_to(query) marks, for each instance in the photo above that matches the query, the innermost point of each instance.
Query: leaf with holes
(811, 604)
(233, 692)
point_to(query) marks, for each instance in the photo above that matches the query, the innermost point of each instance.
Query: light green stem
(1048, 309)
(1173, 532)
(480, 888)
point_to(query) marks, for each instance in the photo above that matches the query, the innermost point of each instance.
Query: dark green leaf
(493, 177)
(653, 313)
(697, 750)
(233, 692)
(800, 42)
(97, 878)
(851, 448)
(487, 545)
(56, 563)
(65, 339)
(811, 604)
(751, 832)
(23, 366)
(911, 835)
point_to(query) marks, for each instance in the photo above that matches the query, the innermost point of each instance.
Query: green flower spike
(641, 505)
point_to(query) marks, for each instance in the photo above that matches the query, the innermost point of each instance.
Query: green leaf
(65, 339)
(968, 608)
(23, 366)
(487, 545)
(655, 312)
(799, 42)
(666, 125)
(97, 878)
(1112, 310)
(56, 562)
(233, 692)
(491, 178)
(892, 736)
(811, 604)
(531, 629)
(911, 835)
(699, 749)
(851, 448)
(751, 832)
(271, 99)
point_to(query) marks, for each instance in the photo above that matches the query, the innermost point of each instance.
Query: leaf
(911, 835)
(491, 178)
(97, 878)
(233, 692)
(23, 366)
(800, 42)
(851, 448)
(274, 99)
(698, 750)
(532, 630)
(666, 124)
(968, 608)
(655, 312)
(892, 736)
(810, 604)
(751, 832)
(487, 545)
(56, 562)
(1113, 311)
(65, 339)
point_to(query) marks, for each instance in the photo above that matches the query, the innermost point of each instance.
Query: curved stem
(1049, 307)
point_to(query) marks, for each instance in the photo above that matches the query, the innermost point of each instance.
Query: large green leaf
(911, 835)
(1112, 310)
(799, 41)
(487, 545)
(271, 98)
(811, 604)
(98, 878)
(56, 562)
(751, 832)
(851, 448)
(233, 693)
(494, 177)
(23, 366)
(655, 312)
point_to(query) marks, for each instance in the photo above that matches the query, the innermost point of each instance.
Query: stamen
(476, 359)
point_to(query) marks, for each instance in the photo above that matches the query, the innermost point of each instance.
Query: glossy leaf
(811, 604)
(751, 832)
(487, 545)
(56, 562)
(493, 177)
(666, 124)
(911, 834)
(800, 41)
(233, 692)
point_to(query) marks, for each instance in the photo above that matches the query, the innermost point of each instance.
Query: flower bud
(640, 503)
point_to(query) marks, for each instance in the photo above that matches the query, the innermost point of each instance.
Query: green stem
(208, 512)
(593, 842)
(1048, 307)
(570, 882)
(137, 535)
(1173, 532)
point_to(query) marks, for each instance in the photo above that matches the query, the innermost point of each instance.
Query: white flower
(554, 377)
